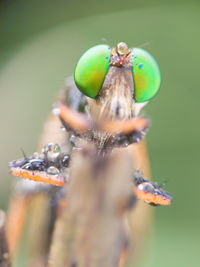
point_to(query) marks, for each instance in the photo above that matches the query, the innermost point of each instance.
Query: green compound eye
(146, 75)
(91, 70)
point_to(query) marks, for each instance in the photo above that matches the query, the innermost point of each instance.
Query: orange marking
(80, 122)
(38, 176)
(151, 198)
(134, 124)
(73, 118)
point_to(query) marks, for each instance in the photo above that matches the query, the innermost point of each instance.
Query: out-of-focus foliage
(40, 42)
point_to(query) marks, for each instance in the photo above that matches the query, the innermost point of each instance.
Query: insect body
(90, 178)
(116, 82)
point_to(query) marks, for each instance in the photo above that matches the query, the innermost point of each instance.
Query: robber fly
(110, 87)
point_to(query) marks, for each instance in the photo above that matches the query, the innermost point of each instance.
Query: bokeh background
(40, 42)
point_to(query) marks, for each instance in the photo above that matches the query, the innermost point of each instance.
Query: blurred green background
(40, 42)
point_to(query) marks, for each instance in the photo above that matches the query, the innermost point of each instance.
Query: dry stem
(4, 254)
(90, 231)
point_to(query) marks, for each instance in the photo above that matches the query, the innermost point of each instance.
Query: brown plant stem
(90, 231)
(15, 221)
(4, 253)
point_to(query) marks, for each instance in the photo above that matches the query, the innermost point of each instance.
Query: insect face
(117, 79)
